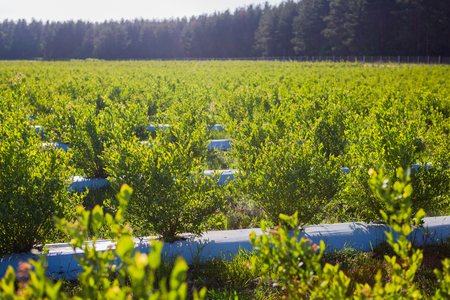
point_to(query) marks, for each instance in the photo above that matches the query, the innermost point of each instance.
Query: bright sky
(101, 10)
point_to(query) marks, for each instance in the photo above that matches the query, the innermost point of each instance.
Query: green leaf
(178, 274)
(154, 257)
(125, 195)
(97, 218)
(285, 218)
(125, 247)
(53, 291)
(419, 216)
(407, 191)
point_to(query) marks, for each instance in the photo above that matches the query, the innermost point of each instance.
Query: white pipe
(358, 236)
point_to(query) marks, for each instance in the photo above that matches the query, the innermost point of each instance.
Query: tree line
(305, 27)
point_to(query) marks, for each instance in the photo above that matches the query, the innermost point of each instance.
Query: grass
(220, 135)
(99, 196)
(219, 160)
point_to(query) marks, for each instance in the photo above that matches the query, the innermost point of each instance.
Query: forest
(305, 27)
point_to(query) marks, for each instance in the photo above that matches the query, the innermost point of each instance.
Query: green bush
(252, 132)
(189, 125)
(34, 183)
(92, 133)
(393, 137)
(325, 121)
(113, 274)
(171, 195)
(288, 176)
(431, 184)
(399, 215)
(295, 264)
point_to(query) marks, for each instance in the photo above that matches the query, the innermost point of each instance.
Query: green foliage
(219, 160)
(344, 114)
(289, 177)
(307, 28)
(362, 115)
(324, 120)
(171, 194)
(87, 138)
(294, 264)
(392, 138)
(254, 122)
(31, 284)
(234, 271)
(113, 274)
(228, 276)
(443, 279)
(431, 182)
(189, 123)
(33, 182)
(92, 132)
(250, 136)
(400, 218)
(275, 33)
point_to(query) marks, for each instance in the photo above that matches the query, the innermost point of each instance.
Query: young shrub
(87, 137)
(189, 130)
(59, 121)
(325, 120)
(34, 183)
(399, 216)
(386, 140)
(252, 132)
(113, 274)
(189, 125)
(92, 133)
(432, 181)
(171, 194)
(294, 264)
(287, 177)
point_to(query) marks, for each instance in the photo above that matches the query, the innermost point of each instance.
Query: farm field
(284, 118)
(294, 127)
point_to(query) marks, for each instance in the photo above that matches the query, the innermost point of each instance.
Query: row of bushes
(35, 180)
(289, 147)
(291, 264)
(279, 173)
(292, 160)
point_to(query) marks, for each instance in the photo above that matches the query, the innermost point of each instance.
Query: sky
(101, 10)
